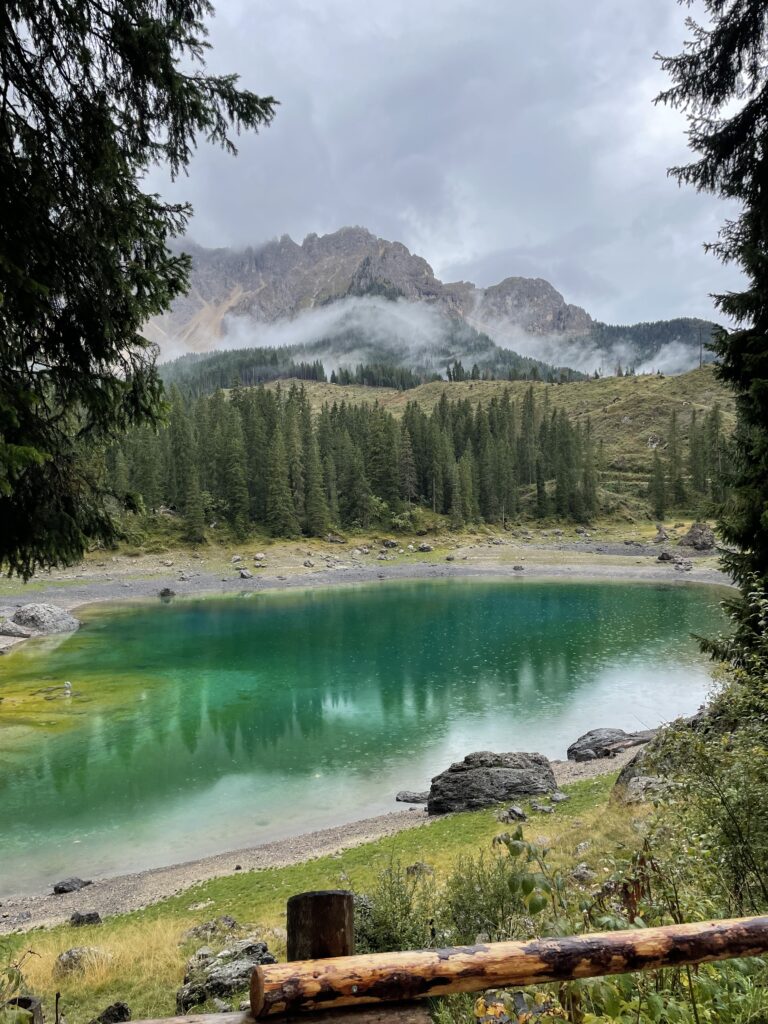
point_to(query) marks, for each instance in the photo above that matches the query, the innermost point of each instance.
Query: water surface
(207, 725)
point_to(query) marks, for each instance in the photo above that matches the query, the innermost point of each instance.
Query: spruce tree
(315, 504)
(280, 513)
(457, 502)
(294, 451)
(94, 92)
(467, 488)
(697, 459)
(407, 467)
(331, 488)
(542, 501)
(238, 500)
(194, 521)
(720, 81)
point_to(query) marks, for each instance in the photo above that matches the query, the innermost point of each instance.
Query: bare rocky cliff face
(282, 279)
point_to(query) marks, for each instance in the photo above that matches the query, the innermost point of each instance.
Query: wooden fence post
(320, 925)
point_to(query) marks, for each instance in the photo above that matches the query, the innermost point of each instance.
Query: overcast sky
(492, 137)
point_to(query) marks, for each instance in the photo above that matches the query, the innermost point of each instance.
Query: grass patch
(145, 954)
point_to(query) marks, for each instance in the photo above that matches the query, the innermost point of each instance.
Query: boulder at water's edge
(46, 618)
(606, 743)
(484, 778)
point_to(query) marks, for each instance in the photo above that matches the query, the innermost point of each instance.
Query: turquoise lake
(207, 725)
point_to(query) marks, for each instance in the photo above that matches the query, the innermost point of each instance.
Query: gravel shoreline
(124, 893)
(122, 587)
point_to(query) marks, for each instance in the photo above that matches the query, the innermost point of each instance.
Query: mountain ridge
(242, 292)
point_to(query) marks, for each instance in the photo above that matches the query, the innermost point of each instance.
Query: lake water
(207, 725)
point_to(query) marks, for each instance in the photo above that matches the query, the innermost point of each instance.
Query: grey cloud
(493, 138)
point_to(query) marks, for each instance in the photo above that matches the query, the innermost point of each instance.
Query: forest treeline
(259, 457)
(201, 373)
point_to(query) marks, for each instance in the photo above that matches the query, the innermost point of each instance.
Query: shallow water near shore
(206, 725)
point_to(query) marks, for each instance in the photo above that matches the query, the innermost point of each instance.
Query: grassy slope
(147, 954)
(624, 411)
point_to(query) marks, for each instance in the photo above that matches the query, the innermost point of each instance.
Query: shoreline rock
(700, 537)
(484, 779)
(409, 796)
(45, 618)
(599, 743)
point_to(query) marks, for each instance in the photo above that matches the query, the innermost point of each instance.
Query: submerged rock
(599, 743)
(46, 618)
(484, 778)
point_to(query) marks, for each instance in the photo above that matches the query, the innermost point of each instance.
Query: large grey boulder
(215, 975)
(700, 537)
(606, 743)
(46, 618)
(483, 779)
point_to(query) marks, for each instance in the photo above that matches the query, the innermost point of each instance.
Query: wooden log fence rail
(327, 985)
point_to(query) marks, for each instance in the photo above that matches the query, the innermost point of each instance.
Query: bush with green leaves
(513, 892)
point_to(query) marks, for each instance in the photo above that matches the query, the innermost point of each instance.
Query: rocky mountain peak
(281, 278)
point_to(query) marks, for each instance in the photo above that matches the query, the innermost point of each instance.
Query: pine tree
(542, 502)
(194, 521)
(280, 513)
(720, 81)
(315, 506)
(353, 486)
(467, 488)
(676, 487)
(457, 502)
(407, 467)
(294, 451)
(93, 94)
(697, 462)
(331, 488)
(145, 466)
(236, 490)
(118, 473)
